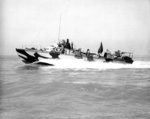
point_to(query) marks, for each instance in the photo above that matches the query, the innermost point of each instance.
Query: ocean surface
(108, 91)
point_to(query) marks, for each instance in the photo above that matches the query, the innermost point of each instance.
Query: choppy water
(113, 91)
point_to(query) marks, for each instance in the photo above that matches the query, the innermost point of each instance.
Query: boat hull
(43, 58)
(46, 58)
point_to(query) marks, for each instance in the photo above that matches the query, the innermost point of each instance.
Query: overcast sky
(119, 24)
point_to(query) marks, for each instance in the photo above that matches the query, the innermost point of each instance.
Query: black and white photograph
(74, 59)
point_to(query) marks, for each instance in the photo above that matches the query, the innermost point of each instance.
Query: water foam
(73, 63)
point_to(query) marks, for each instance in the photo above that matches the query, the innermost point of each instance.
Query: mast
(61, 13)
(59, 27)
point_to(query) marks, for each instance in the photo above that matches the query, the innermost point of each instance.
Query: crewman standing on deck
(67, 46)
